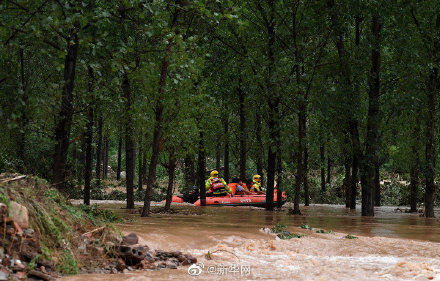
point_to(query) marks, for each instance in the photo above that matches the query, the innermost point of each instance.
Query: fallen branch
(221, 250)
(13, 179)
(40, 275)
(90, 233)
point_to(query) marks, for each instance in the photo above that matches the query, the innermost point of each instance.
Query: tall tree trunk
(171, 174)
(259, 150)
(306, 178)
(377, 193)
(299, 160)
(301, 116)
(105, 160)
(241, 97)
(353, 92)
(279, 177)
(99, 152)
(188, 172)
(201, 167)
(158, 110)
(354, 180)
(64, 120)
(218, 155)
(329, 169)
(430, 154)
(24, 119)
(89, 157)
(226, 149)
(82, 160)
(372, 143)
(273, 102)
(144, 166)
(347, 180)
(130, 150)
(322, 154)
(74, 159)
(354, 125)
(415, 167)
(118, 171)
(140, 164)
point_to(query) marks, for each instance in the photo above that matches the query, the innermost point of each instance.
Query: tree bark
(158, 110)
(201, 167)
(140, 164)
(306, 178)
(24, 119)
(322, 154)
(415, 167)
(89, 156)
(279, 177)
(218, 154)
(259, 150)
(241, 97)
(188, 171)
(273, 102)
(377, 193)
(354, 169)
(64, 120)
(301, 117)
(370, 161)
(346, 182)
(430, 153)
(99, 152)
(329, 170)
(171, 174)
(226, 150)
(105, 160)
(130, 150)
(118, 172)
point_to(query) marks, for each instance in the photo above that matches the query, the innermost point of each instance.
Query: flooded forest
(219, 140)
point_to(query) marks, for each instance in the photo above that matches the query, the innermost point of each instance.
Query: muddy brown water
(391, 246)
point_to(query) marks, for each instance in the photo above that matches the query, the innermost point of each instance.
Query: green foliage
(288, 235)
(282, 233)
(68, 263)
(348, 236)
(4, 199)
(305, 226)
(95, 214)
(216, 52)
(278, 228)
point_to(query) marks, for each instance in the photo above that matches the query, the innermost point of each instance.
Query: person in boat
(256, 185)
(238, 187)
(217, 186)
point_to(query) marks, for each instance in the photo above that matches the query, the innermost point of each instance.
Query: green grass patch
(282, 233)
(348, 236)
(278, 228)
(94, 213)
(305, 226)
(68, 263)
(4, 199)
(288, 235)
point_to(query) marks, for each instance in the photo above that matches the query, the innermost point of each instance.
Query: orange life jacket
(233, 187)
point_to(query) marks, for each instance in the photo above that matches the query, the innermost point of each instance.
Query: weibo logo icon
(195, 269)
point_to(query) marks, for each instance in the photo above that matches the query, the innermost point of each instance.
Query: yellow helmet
(214, 173)
(256, 178)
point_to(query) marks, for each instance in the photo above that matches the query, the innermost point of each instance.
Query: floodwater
(391, 246)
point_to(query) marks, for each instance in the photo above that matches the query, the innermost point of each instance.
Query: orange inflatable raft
(235, 200)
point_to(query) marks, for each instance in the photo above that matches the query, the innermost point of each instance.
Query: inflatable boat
(233, 200)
